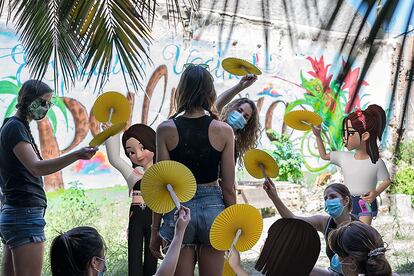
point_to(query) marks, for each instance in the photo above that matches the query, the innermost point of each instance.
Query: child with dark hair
(78, 252)
(21, 169)
(291, 248)
(138, 142)
(363, 169)
(361, 250)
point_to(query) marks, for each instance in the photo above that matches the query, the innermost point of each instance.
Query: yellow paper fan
(242, 217)
(114, 101)
(227, 270)
(240, 67)
(156, 179)
(257, 160)
(102, 136)
(302, 119)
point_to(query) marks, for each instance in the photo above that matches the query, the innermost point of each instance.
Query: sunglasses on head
(202, 65)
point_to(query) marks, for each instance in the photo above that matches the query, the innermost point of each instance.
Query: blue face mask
(336, 264)
(236, 120)
(102, 273)
(334, 207)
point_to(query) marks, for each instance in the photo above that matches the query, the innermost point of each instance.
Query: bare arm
(227, 168)
(321, 145)
(27, 156)
(225, 97)
(318, 222)
(169, 264)
(370, 197)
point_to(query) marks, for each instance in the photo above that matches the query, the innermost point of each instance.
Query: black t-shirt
(18, 185)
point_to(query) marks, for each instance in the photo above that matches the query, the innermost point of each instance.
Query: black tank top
(194, 149)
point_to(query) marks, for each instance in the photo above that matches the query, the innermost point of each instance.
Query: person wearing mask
(21, 169)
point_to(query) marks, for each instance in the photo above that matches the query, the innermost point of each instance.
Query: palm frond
(43, 29)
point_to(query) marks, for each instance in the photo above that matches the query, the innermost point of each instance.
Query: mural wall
(303, 77)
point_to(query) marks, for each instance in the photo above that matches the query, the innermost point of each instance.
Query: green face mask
(39, 108)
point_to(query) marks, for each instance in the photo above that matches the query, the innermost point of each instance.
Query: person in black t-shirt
(21, 170)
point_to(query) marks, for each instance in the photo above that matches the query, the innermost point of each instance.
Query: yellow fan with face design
(166, 184)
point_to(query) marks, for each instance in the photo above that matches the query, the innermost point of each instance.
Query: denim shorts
(205, 207)
(371, 210)
(22, 225)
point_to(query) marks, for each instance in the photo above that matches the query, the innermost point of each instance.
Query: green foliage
(289, 161)
(404, 183)
(405, 154)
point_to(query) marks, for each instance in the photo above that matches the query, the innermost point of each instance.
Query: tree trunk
(49, 149)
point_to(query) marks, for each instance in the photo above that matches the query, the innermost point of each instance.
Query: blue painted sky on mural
(398, 21)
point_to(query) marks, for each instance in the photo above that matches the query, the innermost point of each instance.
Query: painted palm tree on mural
(46, 127)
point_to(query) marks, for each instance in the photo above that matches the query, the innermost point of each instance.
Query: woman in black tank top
(206, 146)
(338, 205)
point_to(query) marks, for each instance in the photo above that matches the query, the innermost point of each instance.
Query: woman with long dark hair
(138, 142)
(206, 146)
(242, 115)
(78, 252)
(364, 169)
(21, 169)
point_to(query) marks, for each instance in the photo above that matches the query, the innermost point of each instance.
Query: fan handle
(236, 239)
(111, 112)
(263, 170)
(174, 196)
(245, 70)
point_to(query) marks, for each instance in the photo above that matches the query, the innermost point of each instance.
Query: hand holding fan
(166, 184)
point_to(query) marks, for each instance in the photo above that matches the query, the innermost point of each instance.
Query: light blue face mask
(334, 207)
(336, 264)
(236, 120)
(102, 273)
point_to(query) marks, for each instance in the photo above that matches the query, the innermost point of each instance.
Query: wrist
(155, 228)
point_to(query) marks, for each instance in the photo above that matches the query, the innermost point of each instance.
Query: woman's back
(197, 143)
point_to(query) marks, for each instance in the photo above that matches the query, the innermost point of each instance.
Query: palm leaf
(59, 103)
(52, 117)
(11, 108)
(7, 87)
(43, 29)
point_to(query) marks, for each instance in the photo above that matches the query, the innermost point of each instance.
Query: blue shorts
(205, 207)
(357, 211)
(22, 225)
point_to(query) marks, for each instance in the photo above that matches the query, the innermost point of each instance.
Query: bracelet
(155, 227)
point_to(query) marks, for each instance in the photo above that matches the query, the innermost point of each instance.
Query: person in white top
(139, 146)
(362, 169)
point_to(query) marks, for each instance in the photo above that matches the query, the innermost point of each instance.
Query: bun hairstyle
(371, 120)
(365, 244)
(71, 252)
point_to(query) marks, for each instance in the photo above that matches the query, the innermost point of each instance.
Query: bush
(404, 183)
(405, 154)
(289, 162)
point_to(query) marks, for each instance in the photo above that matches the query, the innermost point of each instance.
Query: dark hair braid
(23, 110)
